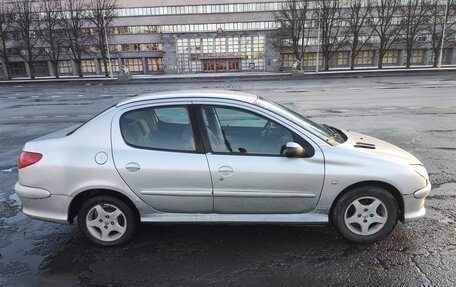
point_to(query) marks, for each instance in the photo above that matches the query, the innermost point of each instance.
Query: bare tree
(333, 35)
(103, 13)
(24, 23)
(360, 34)
(5, 29)
(415, 14)
(436, 25)
(75, 24)
(292, 18)
(385, 25)
(51, 32)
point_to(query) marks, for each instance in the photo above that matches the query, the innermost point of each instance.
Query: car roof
(216, 94)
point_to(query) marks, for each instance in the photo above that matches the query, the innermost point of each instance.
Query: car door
(160, 157)
(250, 173)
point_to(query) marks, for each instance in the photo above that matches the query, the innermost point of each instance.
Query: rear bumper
(41, 204)
(414, 204)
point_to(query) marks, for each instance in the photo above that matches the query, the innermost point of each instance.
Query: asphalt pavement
(417, 113)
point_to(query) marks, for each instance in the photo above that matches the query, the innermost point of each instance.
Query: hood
(378, 148)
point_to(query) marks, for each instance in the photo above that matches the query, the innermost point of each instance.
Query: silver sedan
(213, 156)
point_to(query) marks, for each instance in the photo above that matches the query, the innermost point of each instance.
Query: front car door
(250, 173)
(159, 155)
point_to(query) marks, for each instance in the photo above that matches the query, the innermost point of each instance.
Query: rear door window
(163, 128)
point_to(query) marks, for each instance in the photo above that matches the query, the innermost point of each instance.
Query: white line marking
(80, 96)
(82, 116)
(40, 117)
(34, 97)
(389, 108)
(61, 116)
(11, 97)
(414, 108)
(56, 96)
(17, 117)
(441, 107)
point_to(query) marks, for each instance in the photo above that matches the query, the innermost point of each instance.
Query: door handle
(132, 167)
(226, 170)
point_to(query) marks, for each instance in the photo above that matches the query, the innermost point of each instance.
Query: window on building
(364, 58)
(155, 64)
(339, 59)
(41, 68)
(288, 60)
(131, 47)
(391, 57)
(88, 66)
(310, 60)
(151, 47)
(65, 67)
(114, 65)
(416, 58)
(18, 69)
(134, 65)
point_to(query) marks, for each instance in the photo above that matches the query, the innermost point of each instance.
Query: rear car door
(160, 157)
(249, 171)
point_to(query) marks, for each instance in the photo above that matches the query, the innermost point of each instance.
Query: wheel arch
(388, 187)
(81, 197)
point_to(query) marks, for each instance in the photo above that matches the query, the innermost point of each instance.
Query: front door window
(231, 130)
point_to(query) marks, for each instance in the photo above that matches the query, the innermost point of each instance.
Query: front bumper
(414, 203)
(41, 204)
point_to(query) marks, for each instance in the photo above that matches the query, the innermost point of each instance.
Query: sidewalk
(295, 75)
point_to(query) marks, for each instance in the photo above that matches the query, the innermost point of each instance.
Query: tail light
(28, 158)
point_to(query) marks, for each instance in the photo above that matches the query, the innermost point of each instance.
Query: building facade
(203, 36)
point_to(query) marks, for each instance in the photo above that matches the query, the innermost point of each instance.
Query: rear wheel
(366, 214)
(106, 220)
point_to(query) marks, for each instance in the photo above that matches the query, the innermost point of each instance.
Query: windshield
(320, 131)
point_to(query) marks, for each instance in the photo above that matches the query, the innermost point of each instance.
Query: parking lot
(417, 113)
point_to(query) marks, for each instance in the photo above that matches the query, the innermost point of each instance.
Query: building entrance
(220, 65)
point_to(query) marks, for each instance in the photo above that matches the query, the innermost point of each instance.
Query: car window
(232, 130)
(165, 128)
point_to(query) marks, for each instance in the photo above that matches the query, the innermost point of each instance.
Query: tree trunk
(380, 60)
(326, 63)
(79, 67)
(55, 65)
(436, 58)
(105, 63)
(32, 72)
(352, 61)
(409, 60)
(8, 69)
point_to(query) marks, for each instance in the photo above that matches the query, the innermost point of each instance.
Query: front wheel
(365, 214)
(106, 220)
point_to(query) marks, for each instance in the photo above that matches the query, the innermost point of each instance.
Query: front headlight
(419, 169)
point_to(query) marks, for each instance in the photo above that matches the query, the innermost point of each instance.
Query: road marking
(17, 117)
(389, 108)
(106, 95)
(12, 97)
(40, 117)
(83, 116)
(56, 96)
(61, 116)
(80, 96)
(414, 108)
(34, 97)
(441, 107)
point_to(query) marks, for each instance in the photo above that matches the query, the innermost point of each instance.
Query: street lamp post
(105, 27)
(318, 41)
(443, 33)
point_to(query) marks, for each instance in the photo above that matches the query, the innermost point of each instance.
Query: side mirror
(293, 149)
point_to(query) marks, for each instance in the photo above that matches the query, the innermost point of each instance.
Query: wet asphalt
(417, 113)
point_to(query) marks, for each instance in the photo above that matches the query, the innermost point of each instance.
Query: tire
(359, 220)
(106, 221)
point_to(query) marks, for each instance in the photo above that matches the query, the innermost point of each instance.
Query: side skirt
(306, 218)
